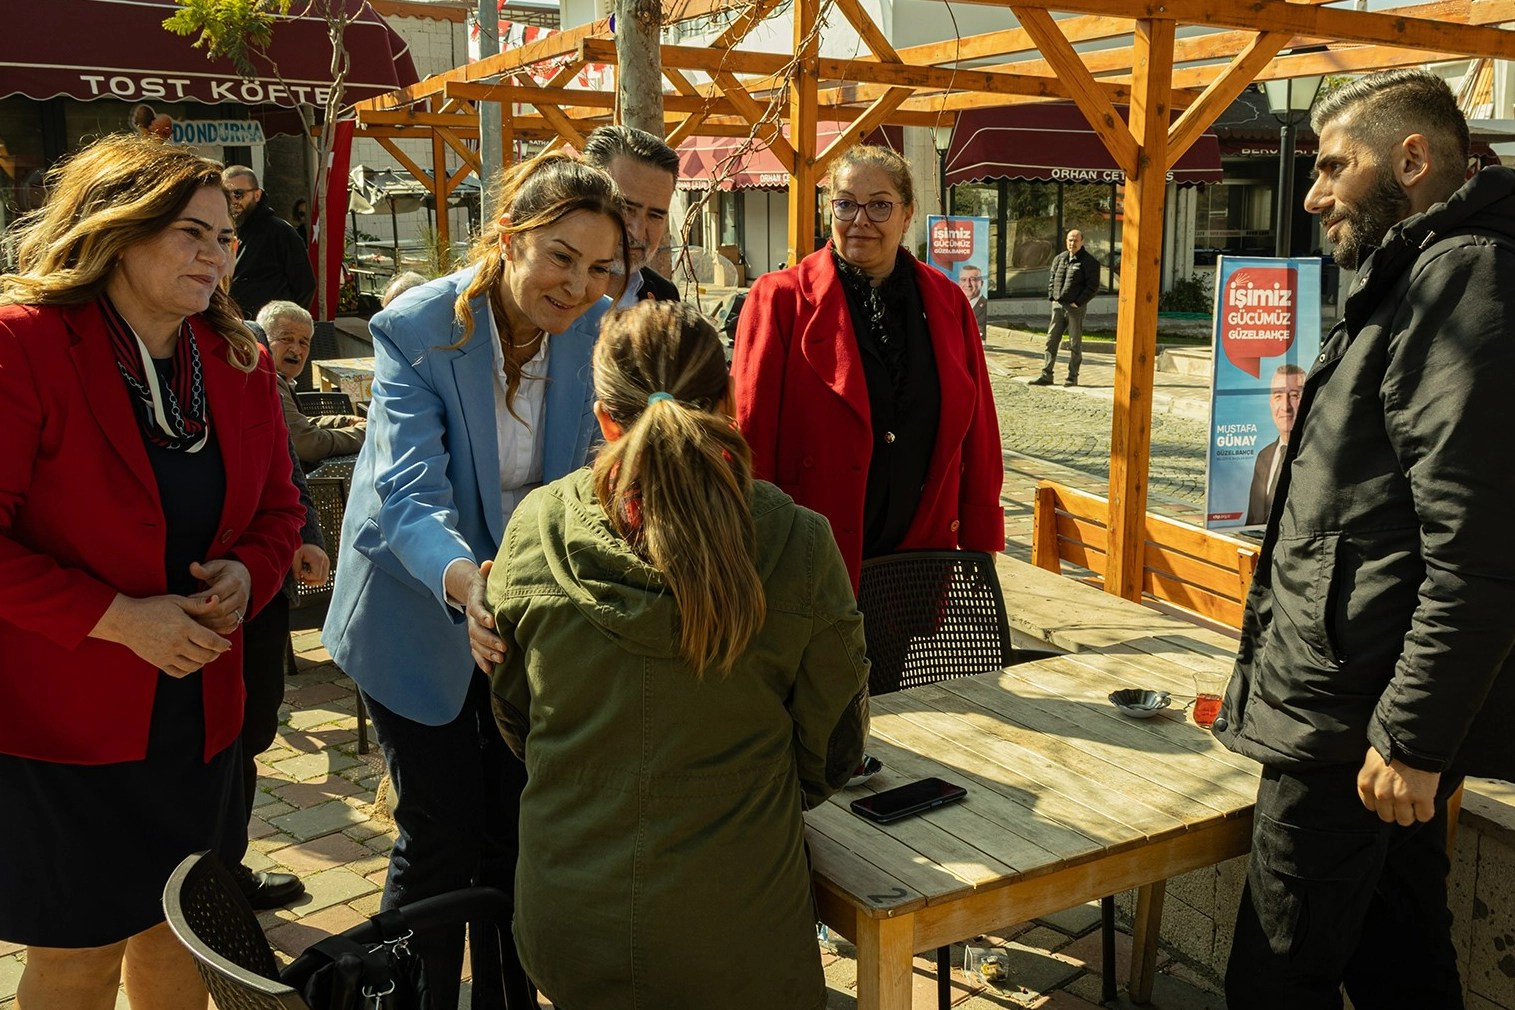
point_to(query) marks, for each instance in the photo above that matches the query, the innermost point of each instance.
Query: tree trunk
(639, 73)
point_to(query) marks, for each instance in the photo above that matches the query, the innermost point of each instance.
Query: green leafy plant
(1191, 294)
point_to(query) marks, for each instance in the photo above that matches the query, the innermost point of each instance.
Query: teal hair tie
(655, 397)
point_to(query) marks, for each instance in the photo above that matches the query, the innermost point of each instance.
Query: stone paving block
(7, 948)
(322, 853)
(367, 831)
(10, 975)
(1045, 938)
(1074, 921)
(272, 809)
(1490, 970)
(318, 820)
(316, 765)
(1064, 1000)
(255, 860)
(1461, 886)
(330, 887)
(368, 905)
(315, 695)
(308, 794)
(378, 877)
(1168, 993)
(273, 842)
(1034, 972)
(1198, 976)
(293, 937)
(1087, 951)
(1189, 930)
(320, 715)
(1477, 1002)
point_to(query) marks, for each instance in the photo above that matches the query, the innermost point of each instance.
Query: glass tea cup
(1209, 688)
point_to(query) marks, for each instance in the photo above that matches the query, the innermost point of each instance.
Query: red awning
(706, 160)
(1052, 142)
(119, 49)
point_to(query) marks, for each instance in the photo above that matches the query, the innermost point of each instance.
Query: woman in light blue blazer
(481, 393)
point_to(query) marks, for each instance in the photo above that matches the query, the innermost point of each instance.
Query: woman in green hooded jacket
(684, 674)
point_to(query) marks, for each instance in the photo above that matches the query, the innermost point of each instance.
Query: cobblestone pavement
(317, 816)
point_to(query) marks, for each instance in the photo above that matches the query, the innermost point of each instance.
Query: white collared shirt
(633, 288)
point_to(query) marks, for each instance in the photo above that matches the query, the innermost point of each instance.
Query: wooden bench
(1199, 573)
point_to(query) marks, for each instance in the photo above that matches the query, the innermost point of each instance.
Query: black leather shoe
(1043, 380)
(1071, 382)
(265, 890)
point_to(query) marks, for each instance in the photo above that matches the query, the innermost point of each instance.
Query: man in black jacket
(646, 171)
(1073, 280)
(1375, 667)
(272, 261)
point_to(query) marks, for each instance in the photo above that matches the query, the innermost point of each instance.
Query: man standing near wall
(646, 170)
(272, 263)
(1375, 667)
(1073, 280)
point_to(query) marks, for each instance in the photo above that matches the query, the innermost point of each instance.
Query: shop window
(1031, 236)
(1091, 208)
(1234, 217)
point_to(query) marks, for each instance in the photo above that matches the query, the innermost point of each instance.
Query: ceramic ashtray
(868, 767)
(1139, 704)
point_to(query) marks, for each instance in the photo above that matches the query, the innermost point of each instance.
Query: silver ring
(238, 612)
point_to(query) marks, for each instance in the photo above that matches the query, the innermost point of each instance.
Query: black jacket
(1383, 609)
(272, 263)
(1073, 279)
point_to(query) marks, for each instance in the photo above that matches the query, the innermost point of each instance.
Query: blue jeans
(459, 801)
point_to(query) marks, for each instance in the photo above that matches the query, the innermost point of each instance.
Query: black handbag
(386, 975)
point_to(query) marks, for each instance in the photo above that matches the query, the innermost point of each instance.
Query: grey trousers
(1065, 318)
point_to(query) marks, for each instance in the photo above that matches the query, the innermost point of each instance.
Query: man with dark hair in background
(646, 170)
(272, 263)
(1375, 668)
(1283, 404)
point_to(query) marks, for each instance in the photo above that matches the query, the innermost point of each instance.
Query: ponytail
(676, 483)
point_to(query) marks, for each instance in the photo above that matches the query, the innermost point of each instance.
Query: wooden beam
(1136, 325)
(416, 171)
(1351, 60)
(439, 198)
(860, 128)
(1222, 91)
(869, 32)
(554, 115)
(802, 127)
(1014, 40)
(767, 129)
(470, 158)
(1095, 105)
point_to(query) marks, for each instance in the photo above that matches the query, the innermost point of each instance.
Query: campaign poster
(959, 248)
(1266, 337)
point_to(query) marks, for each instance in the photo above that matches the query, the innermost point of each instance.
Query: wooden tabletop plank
(870, 888)
(1173, 725)
(1054, 767)
(919, 875)
(1116, 757)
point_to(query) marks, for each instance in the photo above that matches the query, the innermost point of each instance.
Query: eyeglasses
(237, 194)
(879, 211)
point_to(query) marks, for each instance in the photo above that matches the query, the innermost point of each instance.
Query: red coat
(80, 521)
(802, 404)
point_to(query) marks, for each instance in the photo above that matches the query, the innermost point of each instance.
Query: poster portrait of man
(1283, 405)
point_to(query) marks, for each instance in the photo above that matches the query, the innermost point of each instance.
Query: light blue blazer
(426, 490)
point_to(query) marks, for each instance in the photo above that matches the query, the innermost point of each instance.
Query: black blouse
(904, 396)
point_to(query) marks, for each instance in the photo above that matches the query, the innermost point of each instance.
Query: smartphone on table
(910, 798)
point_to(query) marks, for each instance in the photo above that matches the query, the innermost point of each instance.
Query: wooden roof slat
(1096, 106)
(860, 127)
(1222, 91)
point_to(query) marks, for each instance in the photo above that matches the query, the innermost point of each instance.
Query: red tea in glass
(1206, 708)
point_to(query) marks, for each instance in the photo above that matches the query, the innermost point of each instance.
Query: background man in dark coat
(1375, 667)
(272, 262)
(1073, 280)
(646, 170)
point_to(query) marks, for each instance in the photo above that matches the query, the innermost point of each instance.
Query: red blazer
(802, 404)
(80, 521)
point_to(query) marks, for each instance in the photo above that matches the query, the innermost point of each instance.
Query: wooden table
(1068, 801)
(352, 376)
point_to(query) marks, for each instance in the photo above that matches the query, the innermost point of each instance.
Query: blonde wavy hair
(687, 468)
(120, 191)
(534, 194)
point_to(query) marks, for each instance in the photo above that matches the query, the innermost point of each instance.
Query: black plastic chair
(931, 616)
(320, 404)
(208, 914)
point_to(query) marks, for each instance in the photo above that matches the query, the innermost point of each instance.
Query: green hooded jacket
(662, 859)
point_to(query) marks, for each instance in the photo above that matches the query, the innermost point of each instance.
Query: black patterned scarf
(170, 409)
(887, 309)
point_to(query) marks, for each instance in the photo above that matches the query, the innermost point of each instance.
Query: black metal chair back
(930, 616)
(320, 404)
(330, 496)
(207, 912)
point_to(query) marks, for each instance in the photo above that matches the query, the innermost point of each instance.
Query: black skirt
(86, 849)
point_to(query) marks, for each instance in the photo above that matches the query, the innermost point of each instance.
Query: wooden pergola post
(802, 130)
(1136, 326)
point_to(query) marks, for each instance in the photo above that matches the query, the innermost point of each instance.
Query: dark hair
(608, 143)
(682, 461)
(874, 156)
(1384, 108)
(232, 170)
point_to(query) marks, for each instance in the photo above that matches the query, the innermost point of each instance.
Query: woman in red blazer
(146, 509)
(861, 385)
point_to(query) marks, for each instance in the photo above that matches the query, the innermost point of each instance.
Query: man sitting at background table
(289, 329)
